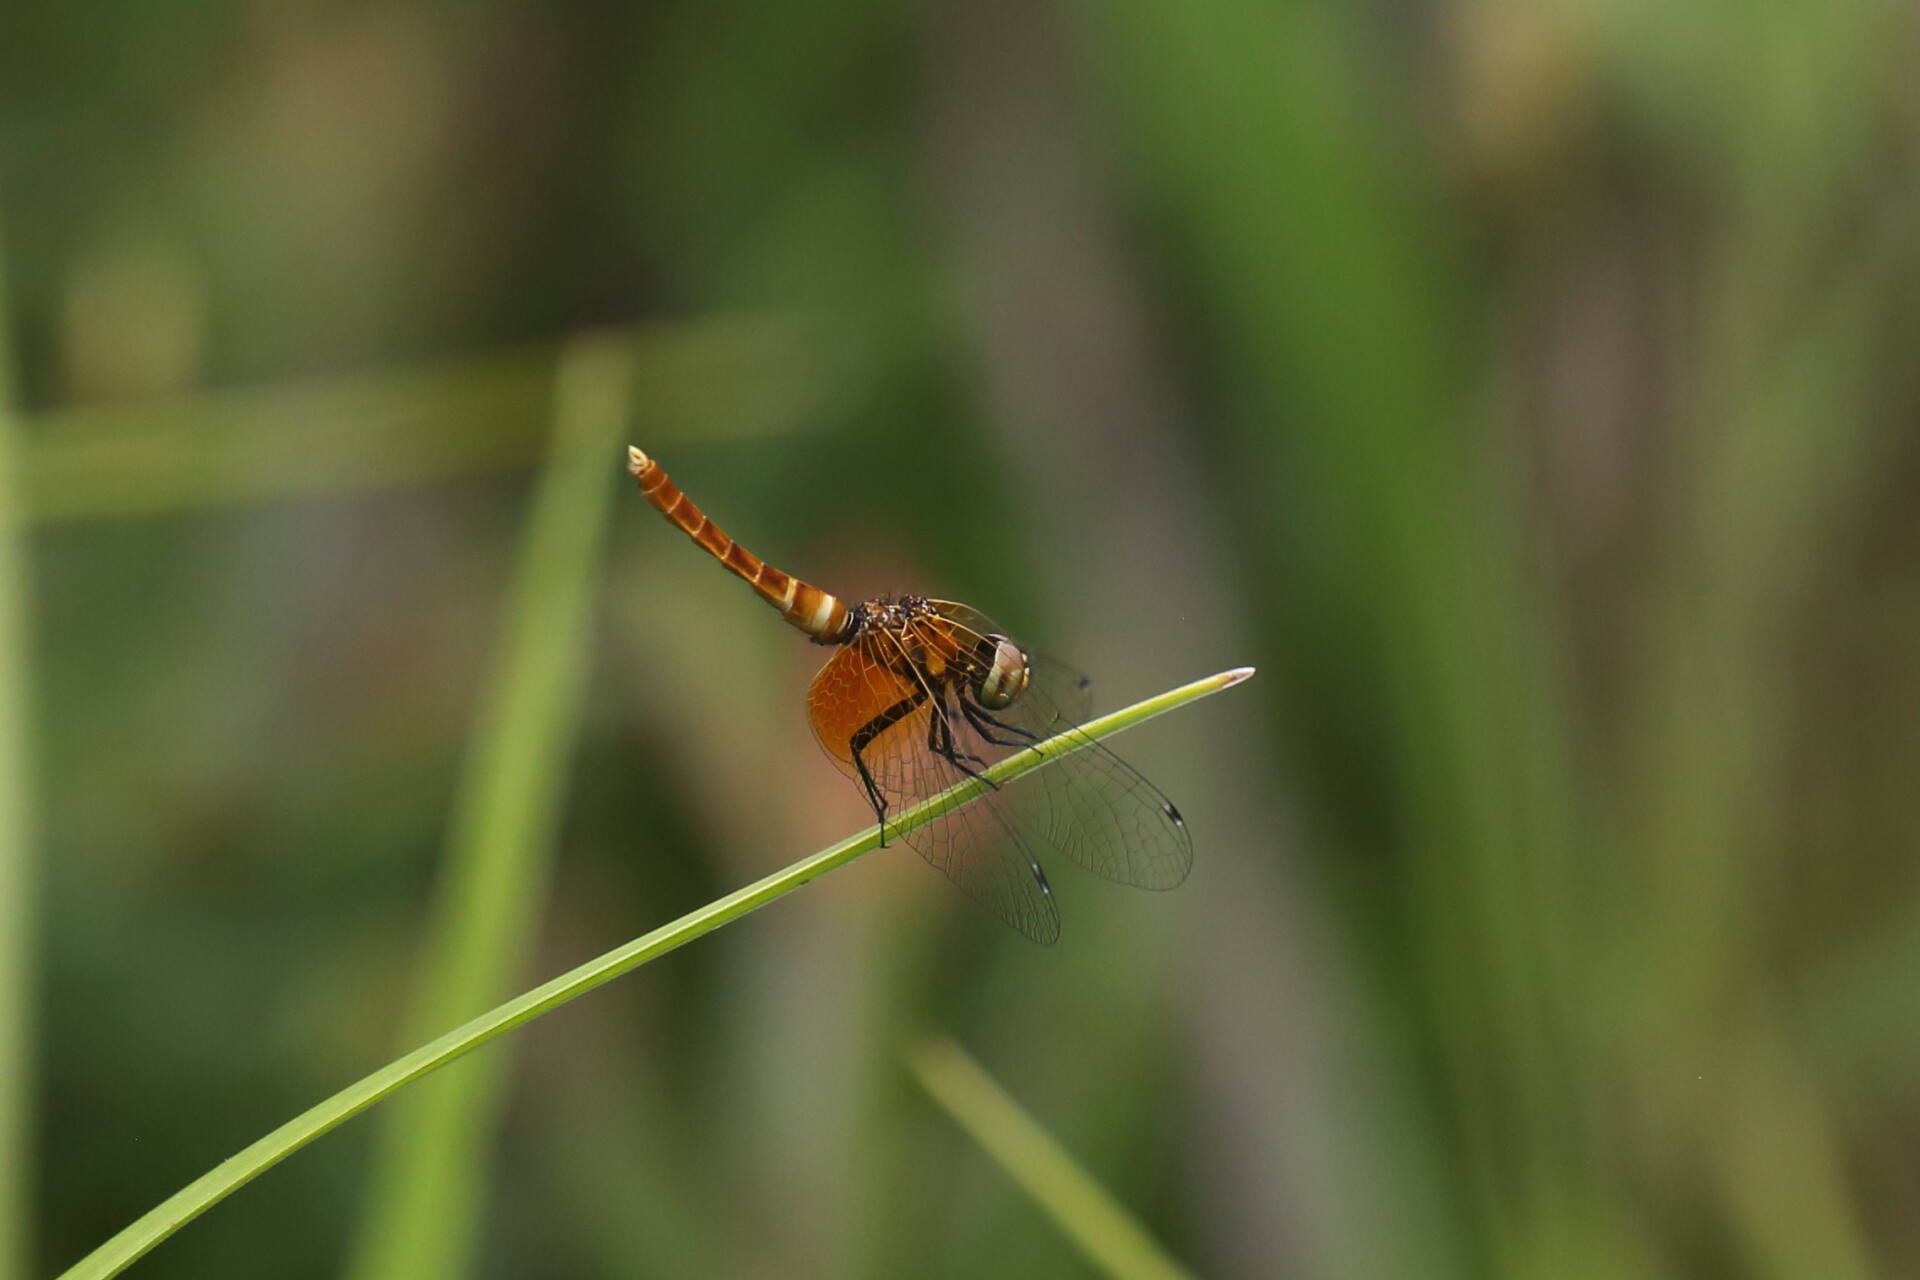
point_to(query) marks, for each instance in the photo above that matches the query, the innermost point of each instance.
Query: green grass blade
(17, 897)
(1081, 1207)
(428, 1185)
(235, 1172)
(737, 376)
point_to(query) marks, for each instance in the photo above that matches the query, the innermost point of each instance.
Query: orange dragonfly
(921, 694)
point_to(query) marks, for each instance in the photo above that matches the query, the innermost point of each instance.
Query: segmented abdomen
(807, 607)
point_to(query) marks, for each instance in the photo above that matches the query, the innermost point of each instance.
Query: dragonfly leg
(864, 737)
(940, 741)
(984, 723)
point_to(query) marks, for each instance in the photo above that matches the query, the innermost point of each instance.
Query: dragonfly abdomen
(806, 606)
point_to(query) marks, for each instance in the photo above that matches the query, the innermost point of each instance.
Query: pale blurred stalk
(724, 376)
(1078, 1205)
(17, 895)
(425, 1200)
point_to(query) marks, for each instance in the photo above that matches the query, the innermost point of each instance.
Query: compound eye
(1006, 676)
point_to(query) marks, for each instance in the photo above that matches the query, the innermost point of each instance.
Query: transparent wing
(866, 696)
(1089, 804)
(1069, 695)
(904, 736)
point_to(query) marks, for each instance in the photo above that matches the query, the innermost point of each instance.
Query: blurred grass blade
(1111, 1239)
(235, 1172)
(423, 1202)
(732, 376)
(1265, 131)
(17, 896)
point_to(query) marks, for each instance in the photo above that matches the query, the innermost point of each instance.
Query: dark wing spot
(1174, 814)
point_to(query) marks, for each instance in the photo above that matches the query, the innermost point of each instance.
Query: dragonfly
(921, 694)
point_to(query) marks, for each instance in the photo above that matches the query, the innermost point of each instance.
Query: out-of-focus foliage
(1525, 388)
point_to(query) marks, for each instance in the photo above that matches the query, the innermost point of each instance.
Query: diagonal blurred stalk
(429, 1183)
(18, 898)
(1078, 1205)
(244, 1166)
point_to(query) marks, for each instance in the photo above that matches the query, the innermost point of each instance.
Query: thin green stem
(1081, 1207)
(235, 1172)
(424, 1199)
(17, 882)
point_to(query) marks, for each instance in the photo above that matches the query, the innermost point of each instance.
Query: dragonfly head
(1005, 678)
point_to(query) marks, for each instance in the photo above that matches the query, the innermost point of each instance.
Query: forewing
(1065, 698)
(1088, 803)
(1068, 695)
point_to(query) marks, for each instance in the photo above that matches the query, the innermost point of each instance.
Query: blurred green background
(1527, 389)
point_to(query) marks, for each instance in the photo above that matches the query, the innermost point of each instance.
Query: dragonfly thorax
(886, 614)
(941, 649)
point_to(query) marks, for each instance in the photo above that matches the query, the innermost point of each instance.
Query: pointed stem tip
(636, 460)
(1228, 679)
